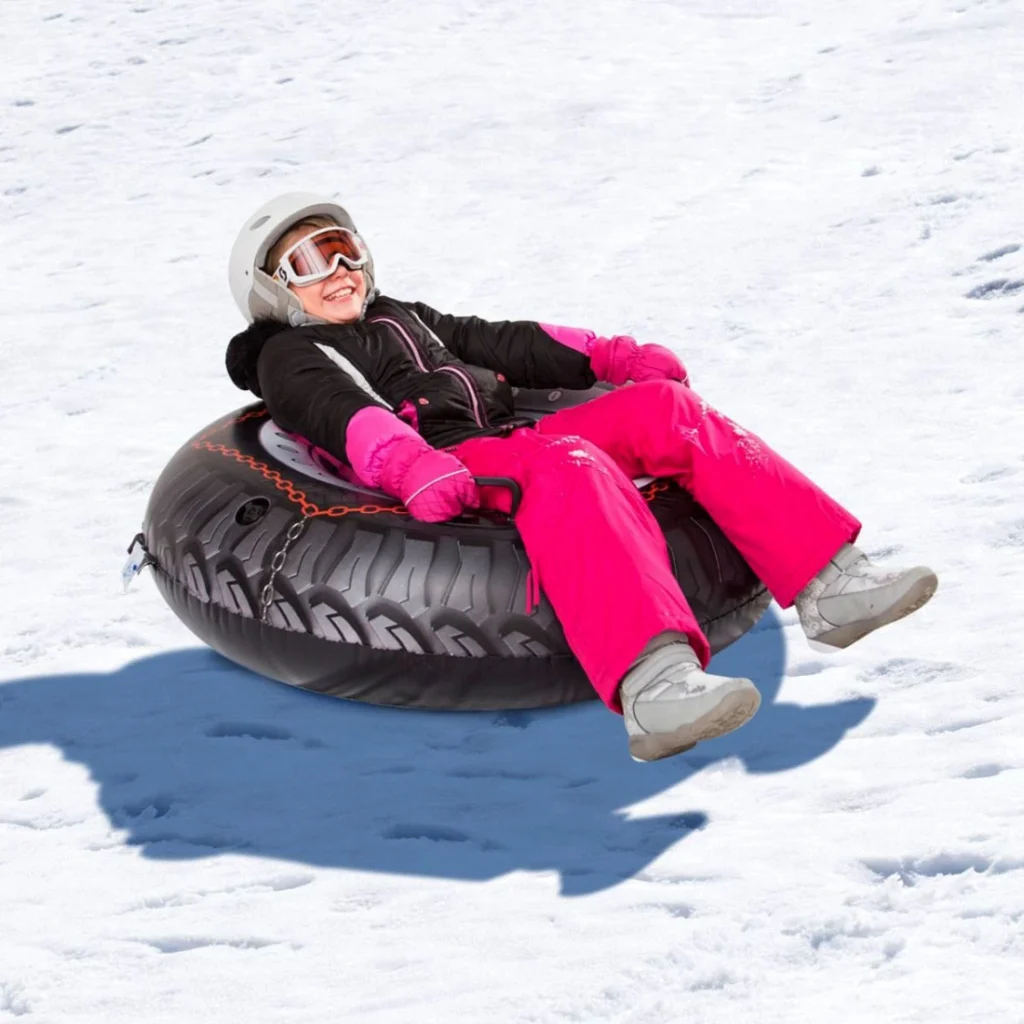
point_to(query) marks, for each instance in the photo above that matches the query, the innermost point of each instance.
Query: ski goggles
(319, 255)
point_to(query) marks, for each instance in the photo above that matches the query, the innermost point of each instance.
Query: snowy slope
(817, 204)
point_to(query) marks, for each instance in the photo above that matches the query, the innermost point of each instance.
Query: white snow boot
(670, 704)
(851, 597)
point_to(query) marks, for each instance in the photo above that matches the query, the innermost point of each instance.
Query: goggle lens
(319, 254)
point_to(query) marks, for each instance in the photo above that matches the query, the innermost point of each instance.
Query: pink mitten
(620, 359)
(388, 454)
(433, 485)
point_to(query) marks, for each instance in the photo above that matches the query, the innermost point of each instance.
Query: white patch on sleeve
(336, 357)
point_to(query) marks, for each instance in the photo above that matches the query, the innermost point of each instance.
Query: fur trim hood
(244, 352)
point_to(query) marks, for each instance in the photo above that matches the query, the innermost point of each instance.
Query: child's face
(338, 299)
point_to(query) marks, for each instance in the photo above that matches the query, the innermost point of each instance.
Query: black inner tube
(368, 604)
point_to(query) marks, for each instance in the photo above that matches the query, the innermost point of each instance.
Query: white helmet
(256, 292)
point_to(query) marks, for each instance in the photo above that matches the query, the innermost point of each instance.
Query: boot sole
(917, 596)
(734, 710)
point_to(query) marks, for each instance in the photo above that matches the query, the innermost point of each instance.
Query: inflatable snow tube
(273, 558)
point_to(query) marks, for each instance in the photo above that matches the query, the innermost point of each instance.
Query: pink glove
(620, 359)
(433, 485)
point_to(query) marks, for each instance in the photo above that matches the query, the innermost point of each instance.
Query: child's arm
(535, 355)
(308, 394)
(521, 350)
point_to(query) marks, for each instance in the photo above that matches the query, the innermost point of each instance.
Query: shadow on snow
(194, 756)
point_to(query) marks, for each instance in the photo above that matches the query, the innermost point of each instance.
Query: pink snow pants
(594, 545)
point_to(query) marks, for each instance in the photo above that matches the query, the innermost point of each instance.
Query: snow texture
(816, 204)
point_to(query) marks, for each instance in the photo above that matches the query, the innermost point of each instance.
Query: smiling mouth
(341, 293)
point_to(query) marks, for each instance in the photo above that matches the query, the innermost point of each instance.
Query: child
(419, 403)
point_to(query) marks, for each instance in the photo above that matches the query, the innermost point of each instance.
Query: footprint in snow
(996, 289)
(985, 771)
(912, 869)
(998, 254)
(988, 474)
(959, 726)
(186, 945)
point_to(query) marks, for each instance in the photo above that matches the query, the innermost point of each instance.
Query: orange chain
(282, 483)
(654, 488)
(309, 508)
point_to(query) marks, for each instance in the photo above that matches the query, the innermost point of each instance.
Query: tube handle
(508, 483)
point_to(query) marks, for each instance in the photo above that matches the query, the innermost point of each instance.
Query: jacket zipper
(405, 338)
(413, 349)
(467, 382)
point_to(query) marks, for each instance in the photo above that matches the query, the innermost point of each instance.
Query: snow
(816, 204)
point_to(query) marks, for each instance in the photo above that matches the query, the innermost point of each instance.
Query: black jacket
(456, 373)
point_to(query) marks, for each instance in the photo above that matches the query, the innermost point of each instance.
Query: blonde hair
(280, 247)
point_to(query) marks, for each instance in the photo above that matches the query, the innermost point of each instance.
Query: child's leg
(595, 548)
(783, 524)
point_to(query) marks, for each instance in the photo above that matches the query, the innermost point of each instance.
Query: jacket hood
(244, 352)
